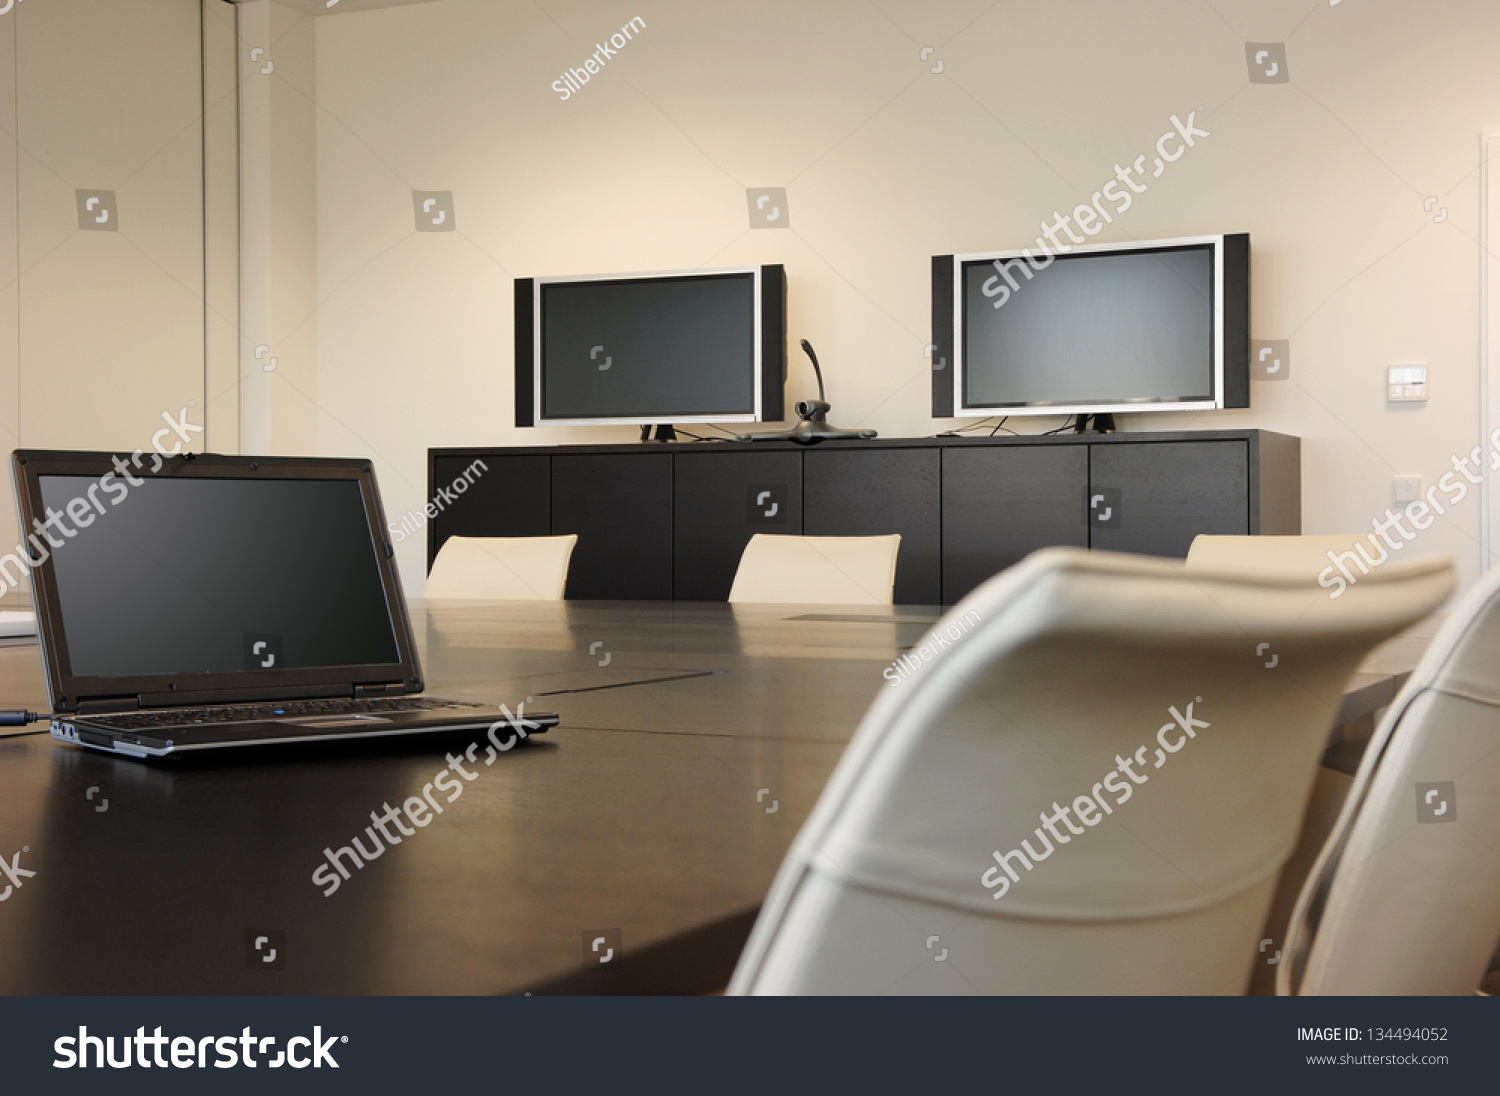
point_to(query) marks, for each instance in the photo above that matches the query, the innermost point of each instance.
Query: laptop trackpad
(337, 721)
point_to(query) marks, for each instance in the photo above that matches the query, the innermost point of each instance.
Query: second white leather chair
(1405, 896)
(1291, 556)
(1091, 787)
(502, 568)
(817, 570)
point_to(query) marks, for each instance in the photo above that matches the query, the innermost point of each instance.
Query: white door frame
(1489, 335)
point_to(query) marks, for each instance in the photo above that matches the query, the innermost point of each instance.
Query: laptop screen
(214, 575)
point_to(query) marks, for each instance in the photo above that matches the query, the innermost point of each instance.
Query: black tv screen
(659, 349)
(1121, 327)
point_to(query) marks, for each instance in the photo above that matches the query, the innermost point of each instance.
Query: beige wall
(389, 341)
(10, 288)
(886, 164)
(100, 332)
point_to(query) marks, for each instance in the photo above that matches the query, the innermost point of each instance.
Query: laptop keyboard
(291, 709)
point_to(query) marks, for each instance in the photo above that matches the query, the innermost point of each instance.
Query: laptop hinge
(394, 688)
(109, 704)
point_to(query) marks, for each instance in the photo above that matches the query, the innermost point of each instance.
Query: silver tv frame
(961, 410)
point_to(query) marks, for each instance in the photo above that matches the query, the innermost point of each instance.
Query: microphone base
(810, 432)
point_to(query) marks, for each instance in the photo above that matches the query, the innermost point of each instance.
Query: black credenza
(669, 521)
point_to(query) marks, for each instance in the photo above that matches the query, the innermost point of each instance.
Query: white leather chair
(507, 568)
(1405, 896)
(1059, 682)
(817, 570)
(1293, 556)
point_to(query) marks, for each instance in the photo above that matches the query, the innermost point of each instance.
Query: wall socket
(1408, 488)
(1406, 384)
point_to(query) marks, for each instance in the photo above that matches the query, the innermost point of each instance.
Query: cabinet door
(722, 499)
(1001, 503)
(1155, 497)
(504, 497)
(868, 492)
(620, 505)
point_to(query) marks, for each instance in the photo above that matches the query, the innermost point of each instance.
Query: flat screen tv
(676, 347)
(1160, 325)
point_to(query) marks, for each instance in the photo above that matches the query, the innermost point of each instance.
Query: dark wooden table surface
(695, 738)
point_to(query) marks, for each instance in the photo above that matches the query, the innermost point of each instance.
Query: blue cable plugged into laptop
(18, 717)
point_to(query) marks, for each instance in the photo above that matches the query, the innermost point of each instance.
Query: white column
(278, 230)
(255, 227)
(1489, 342)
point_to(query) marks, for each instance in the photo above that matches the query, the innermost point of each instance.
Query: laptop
(203, 602)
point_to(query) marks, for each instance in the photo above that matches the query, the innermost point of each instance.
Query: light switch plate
(1406, 384)
(1408, 488)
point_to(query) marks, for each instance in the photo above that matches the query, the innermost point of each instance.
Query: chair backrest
(1122, 702)
(1404, 899)
(507, 568)
(1290, 556)
(817, 570)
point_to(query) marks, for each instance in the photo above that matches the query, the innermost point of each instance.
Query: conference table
(625, 851)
